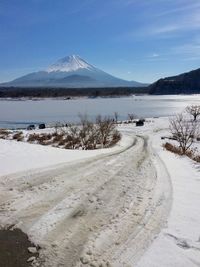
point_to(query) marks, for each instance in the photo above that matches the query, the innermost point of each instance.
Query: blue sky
(139, 40)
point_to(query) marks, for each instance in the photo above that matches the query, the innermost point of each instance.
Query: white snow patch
(20, 156)
(70, 63)
(179, 244)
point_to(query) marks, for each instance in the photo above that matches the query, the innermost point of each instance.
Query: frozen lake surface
(20, 113)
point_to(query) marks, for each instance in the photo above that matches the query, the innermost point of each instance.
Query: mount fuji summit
(71, 72)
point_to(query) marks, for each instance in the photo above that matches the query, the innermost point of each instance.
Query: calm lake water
(20, 113)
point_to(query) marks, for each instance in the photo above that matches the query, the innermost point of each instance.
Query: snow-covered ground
(20, 156)
(132, 205)
(178, 244)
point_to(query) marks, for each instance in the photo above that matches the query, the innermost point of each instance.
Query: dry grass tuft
(33, 138)
(4, 133)
(18, 136)
(173, 148)
(192, 154)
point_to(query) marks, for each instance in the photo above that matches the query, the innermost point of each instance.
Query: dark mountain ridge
(186, 83)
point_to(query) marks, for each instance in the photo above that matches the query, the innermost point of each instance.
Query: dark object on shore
(42, 126)
(142, 119)
(140, 123)
(14, 246)
(31, 127)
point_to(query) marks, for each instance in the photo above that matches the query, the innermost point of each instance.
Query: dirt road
(100, 212)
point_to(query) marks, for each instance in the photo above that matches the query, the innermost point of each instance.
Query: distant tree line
(70, 92)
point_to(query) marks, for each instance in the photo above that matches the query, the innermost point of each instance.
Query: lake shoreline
(19, 113)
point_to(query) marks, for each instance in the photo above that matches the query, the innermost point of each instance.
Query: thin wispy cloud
(189, 50)
(185, 6)
(165, 23)
(157, 30)
(154, 55)
(186, 52)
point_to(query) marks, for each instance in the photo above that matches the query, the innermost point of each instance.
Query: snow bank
(20, 156)
(178, 245)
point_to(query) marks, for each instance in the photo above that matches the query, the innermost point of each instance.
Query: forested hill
(186, 83)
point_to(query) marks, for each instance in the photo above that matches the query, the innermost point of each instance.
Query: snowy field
(21, 156)
(131, 205)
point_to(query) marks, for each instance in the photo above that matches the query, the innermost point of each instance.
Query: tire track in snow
(99, 212)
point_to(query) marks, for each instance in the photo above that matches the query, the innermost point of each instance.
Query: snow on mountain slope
(69, 63)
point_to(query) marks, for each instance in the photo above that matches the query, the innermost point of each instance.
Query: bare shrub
(116, 136)
(196, 158)
(116, 116)
(33, 137)
(68, 145)
(62, 142)
(105, 128)
(42, 139)
(57, 138)
(63, 130)
(132, 116)
(73, 134)
(57, 126)
(90, 135)
(190, 153)
(4, 133)
(184, 131)
(48, 136)
(43, 142)
(194, 111)
(68, 138)
(172, 148)
(87, 133)
(18, 136)
(54, 134)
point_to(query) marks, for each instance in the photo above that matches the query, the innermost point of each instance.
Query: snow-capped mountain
(71, 71)
(69, 63)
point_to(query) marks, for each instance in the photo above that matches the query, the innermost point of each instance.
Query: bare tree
(87, 133)
(116, 116)
(132, 116)
(73, 136)
(193, 110)
(56, 126)
(105, 128)
(184, 131)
